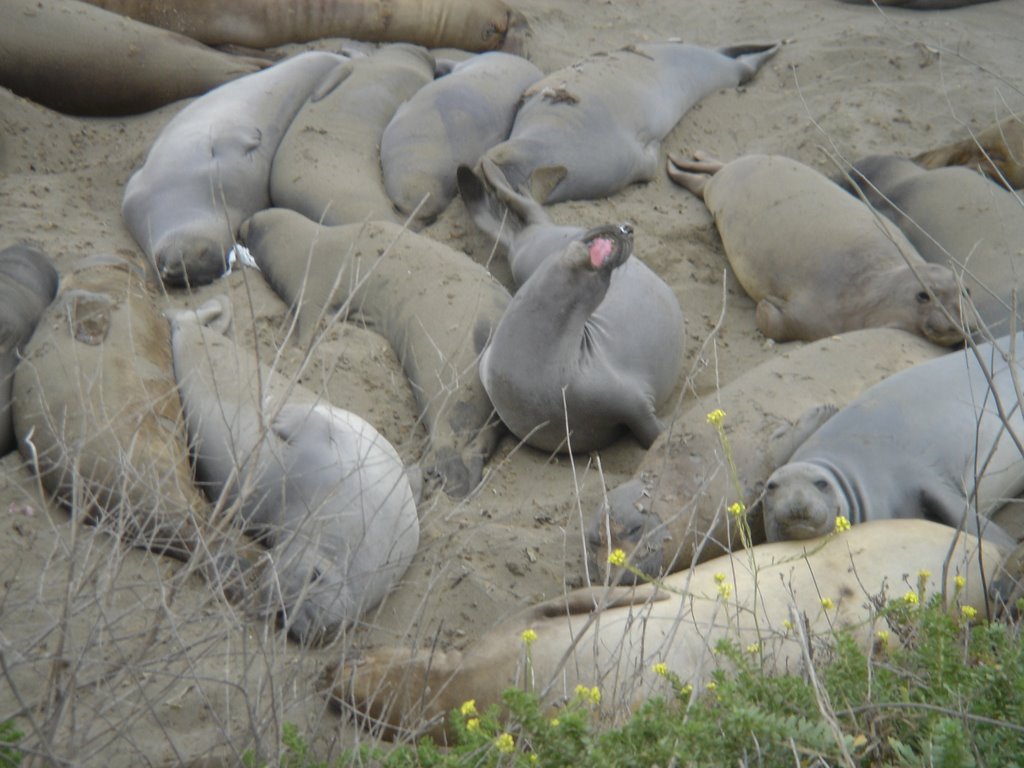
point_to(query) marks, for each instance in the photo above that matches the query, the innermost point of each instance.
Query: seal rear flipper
(752, 55)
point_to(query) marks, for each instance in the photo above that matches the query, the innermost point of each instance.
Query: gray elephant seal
(847, 270)
(472, 25)
(613, 637)
(575, 320)
(208, 169)
(318, 484)
(919, 5)
(97, 415)
(437, 323)
(450, 122)
(28, 283)
(328, 165)
(935, 441)
(82, 60)
(673, 511)
(957, 218)
(998, 152)
(591, 129)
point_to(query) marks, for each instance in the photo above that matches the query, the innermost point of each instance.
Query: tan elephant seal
(436, 307)
(938, 441)
(612, 637)
(817, 261)
(673, 511)
(28, 283)
(472, 25)
(82, 60)
(997, 152)
(98, 416)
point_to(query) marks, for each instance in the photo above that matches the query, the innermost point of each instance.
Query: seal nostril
(626, 229)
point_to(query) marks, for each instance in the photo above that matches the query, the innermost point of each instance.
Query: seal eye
(821, 485)
(772, 486)
(923, 297)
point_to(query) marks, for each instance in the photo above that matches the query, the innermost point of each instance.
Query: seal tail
(752, 55)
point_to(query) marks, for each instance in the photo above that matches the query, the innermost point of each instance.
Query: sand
(119, 657)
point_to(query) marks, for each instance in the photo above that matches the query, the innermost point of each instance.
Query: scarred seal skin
(209, 169)
(817, 261)
(98, 415)
(82, 60)
(612, 638)
(317, 484)
(472, 25)
(938, 441)
(436, 307)
(593, 128)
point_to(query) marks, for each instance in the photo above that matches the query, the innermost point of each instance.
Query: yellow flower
(686, 690)
(910, 598)
(753, 648)
(468, 708)
(882, 635)
(593, 695)
(725, 590)
(660, 669)
(533, 757)
(924, 573)
(842, 524)
(737, 508)
(554, 722)
(719, 577)
(505, 743)
(969, 611)
(960, 581)
(528, 636)
(787, 625)
(827, 604)
(473, 725)
(711, 686)
(617, 557)
(716, 417)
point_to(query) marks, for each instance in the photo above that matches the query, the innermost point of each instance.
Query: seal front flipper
(544, 181)
(784, 441)
(771, 319)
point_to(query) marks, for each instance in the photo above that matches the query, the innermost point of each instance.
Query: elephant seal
(435, 306)
(612, 637)
(957, 218)
(472, 25)
(997, 152)
(673, 511)
(450, 122)
(936, 441)
(318, 484)
(82, 60)
(28, 283)
(208, 170)
(593, 128)
(97, 415)
(328, 164)
(918, 5)
(847, 270)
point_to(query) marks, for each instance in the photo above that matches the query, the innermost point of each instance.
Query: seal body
(328, 166)
(673, 512)
(958, 218)
(318, 484)
(817, 261)
(82, 60)
(450, 122)
(98, 413)
(998, 152)
(935, 441)
(28, 283)
(591, 129)
(208, 170)
(472, 25)
(612, 637)
(435, 306)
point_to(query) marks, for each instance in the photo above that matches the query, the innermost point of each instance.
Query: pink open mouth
(600, 250)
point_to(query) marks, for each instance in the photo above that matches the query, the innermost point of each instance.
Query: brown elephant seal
(673, 511)
(327, 166)
(82, 60)
(208, 170)
(957, 218)
(938, 441)
(846, 270)
(28, 283)
(593, 128)
(472, 25)
(97, 414)
(450, 122)
(436, 307)
(613, 637)
(318, 484)
(997, 152)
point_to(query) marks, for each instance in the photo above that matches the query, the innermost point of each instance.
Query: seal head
(802, 501)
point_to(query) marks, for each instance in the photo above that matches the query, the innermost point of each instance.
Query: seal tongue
(600, 249)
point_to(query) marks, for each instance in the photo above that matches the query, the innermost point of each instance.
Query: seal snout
(609, 246)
